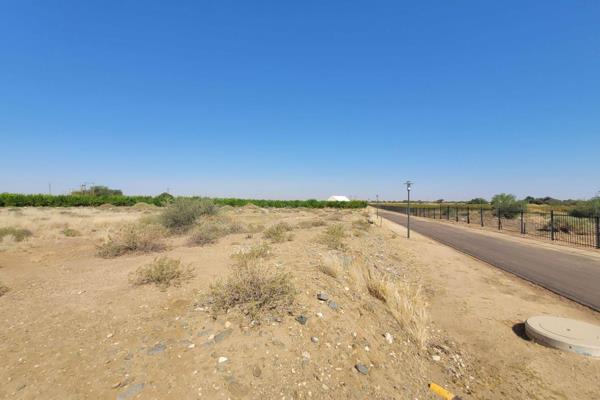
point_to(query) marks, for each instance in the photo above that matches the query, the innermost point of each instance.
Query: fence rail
(580, 231)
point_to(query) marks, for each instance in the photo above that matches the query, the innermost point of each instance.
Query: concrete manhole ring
(564, 334)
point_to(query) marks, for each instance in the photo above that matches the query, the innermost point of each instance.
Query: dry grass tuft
(69, 232)
(134, 238)
(334, 263)
(361, 224)
(333, 237)
(211, 229)
(162, 272)
(3, 289)
(255, 289)
(19, 234)
(278, 233)
(252, 255)
(377, 284)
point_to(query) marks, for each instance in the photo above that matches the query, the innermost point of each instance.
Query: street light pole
(377, 197)
(408, 184)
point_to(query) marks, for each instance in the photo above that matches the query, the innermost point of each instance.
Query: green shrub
(587, 208)
(70, 232)
(181, 214)
(162, 272)
(134, 238)
(19, 234)
(278, 233)
(506, 206)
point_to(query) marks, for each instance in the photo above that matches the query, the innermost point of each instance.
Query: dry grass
(311, 223)
(134, 238)
(361, 224)
(19, 234)
(334, 263)
(333, 237)
(405, 302)
(3, 289)
(162, 272)
(252, 255)
(211, 229)
(278, 233)
(255, 289)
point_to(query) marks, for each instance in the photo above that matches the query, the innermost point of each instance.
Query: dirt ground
(74, 326)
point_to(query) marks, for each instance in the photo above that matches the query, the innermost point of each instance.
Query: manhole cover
(565, 334)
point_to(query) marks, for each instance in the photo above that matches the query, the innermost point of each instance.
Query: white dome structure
(338, 198)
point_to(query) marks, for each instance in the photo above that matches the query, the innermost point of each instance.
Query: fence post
(434, 213)
(522, 226)
(448, 215)
(499, 221)
(481, 215)
(468, 215)
(552, 224)
(598, 232)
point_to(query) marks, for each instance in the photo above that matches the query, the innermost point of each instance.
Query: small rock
(301, 319)
(306, 355)
(131, 391)
(333, 305)
(436, 358)
(256, 371)
(156, 349)
(320, 314)
(362, 368)
(314, 339)
(219, 337)
(323, 296)
(191, 346)
(227, 324)
(389, 338)
(221, 360)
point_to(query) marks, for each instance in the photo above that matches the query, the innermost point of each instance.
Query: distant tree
(165, 198)
(586, 208)
(478, 200)
(529, 199)
(98, 191)
(439, 201)
(507, 205)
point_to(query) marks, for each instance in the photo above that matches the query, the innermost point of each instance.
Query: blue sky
(301, 99)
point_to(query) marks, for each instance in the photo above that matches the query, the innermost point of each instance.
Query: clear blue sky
(301, 99)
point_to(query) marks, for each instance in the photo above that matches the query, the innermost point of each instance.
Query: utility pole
(408, 185)
(49, 188)
(377, 197)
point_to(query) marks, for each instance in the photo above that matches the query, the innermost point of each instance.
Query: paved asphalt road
(574, 276)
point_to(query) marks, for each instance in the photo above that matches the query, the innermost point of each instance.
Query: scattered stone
(436, 358)
(314, 339)
(156, 349)
(323, 296)
(219, 337)
(306, 355)
(333, 305)
(227, 324)
(362, 368)
(389, 338)
(320, 314)
(221, 360)
(302, 319)
(191, 346)
(256, 371)
(131, 391)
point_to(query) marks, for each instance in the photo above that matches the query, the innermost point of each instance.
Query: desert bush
(252, 255)
(211, 229)
(255, 289)
(507, 206)
(361, 224)
(586, 208)
(162, 272)
(377, 284)
(69, 232)
(278, 233)
(567, 224)
(3, 289)
(19, 234)
(331, 264)
(311, 223)
(181, 214)
(333, 237)
(134, 238)
(254, 228)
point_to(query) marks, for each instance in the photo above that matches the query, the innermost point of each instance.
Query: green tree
(506, 205)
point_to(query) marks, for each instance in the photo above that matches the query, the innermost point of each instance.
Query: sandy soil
(74, 327)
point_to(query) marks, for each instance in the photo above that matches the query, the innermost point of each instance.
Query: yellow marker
(443, 393)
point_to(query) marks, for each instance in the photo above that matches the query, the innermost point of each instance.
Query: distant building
(338, 198)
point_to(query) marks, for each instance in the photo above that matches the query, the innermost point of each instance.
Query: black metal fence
(555, 226)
